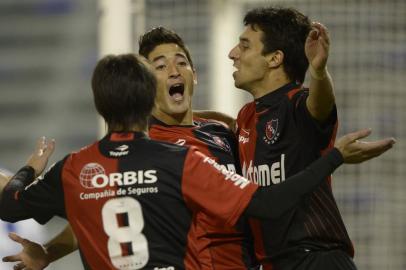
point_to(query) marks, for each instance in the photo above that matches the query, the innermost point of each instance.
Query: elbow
(8, 212)
(5, 215)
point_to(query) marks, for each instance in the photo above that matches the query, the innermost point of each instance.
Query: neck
(182, 119)
(133, 128)
(269, 84)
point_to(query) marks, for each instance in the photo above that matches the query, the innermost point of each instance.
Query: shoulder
(209, 122)
(248, 107)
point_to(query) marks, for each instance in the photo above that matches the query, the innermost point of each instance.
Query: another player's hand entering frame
(33, 256)
(39, 159)
(355, 151)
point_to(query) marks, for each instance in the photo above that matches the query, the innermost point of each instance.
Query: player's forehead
(166, 51)
(251, 34)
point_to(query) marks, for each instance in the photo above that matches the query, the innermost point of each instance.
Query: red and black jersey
(217, 247)
(278, 138)
(211, 138)
(131, 200)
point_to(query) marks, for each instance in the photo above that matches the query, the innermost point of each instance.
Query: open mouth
(176, 91)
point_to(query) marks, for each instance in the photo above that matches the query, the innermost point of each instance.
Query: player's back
(128, 203)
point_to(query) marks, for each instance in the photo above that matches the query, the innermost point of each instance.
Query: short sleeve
(209, 187)
(44, 198)
(322, 133)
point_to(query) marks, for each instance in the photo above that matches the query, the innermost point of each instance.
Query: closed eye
(160, 67)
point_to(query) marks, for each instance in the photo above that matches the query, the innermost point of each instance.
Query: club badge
(271, 131)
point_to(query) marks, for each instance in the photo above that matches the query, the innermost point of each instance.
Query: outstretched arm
(37, 257)
(273, 201)
(321, 95)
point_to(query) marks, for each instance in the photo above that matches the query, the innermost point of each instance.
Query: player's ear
(194, 76)
(275, 59)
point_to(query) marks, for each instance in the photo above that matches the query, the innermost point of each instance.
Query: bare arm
(321, 95)
(222, 117)
(37, 257)
(4, 178)
(61, 245)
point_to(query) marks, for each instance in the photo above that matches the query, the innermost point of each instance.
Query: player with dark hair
(218, 246)
(284, 129)
(221, 246)
(131, 200)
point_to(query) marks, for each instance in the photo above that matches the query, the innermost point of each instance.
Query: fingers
(44, 147)
(12, 258)
(360, 134)
(16, 238)
(19, 266)
(376, 148)
(319, 31)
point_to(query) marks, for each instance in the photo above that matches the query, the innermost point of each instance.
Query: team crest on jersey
(271, 131)
(89, 171)
(222, 143)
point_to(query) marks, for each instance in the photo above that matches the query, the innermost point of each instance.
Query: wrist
(49, 257)
(318, 74)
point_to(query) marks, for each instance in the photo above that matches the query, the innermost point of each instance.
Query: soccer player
(171, 121)
(131, 200)
(284, 129)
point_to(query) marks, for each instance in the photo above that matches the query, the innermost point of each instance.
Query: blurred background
(48, 49)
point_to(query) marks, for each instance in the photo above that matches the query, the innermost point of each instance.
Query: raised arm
(10, 208)
(321, 95)
(273, 201)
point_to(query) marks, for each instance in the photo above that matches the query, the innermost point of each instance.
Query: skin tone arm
(37, 257)
(321, 95)
(4, 178)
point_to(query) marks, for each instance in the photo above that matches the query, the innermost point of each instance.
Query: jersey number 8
(128, 236)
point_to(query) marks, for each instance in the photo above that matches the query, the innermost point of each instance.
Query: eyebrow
(159, 57)
(243, 39)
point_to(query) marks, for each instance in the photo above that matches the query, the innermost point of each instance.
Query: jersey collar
(274, 96)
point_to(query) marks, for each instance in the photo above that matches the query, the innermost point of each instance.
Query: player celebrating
(284, 129)
(216, 246)
(131, 200)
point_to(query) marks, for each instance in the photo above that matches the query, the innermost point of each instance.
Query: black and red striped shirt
(217, 247)
(130, 201)
(278, 138)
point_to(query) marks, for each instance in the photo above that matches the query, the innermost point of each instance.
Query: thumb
(313, 34)
(50, 147)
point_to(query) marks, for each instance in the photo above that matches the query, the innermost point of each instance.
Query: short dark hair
(158, 36)
(285, 29)
(124, 91)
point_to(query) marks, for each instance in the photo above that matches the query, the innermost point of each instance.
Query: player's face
(249, 63)
(176, 79)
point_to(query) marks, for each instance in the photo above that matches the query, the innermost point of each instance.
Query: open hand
(355, 151)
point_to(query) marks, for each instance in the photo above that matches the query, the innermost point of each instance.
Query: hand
(317, 49)
(355, 151)
(32, 257)
(39, 159)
